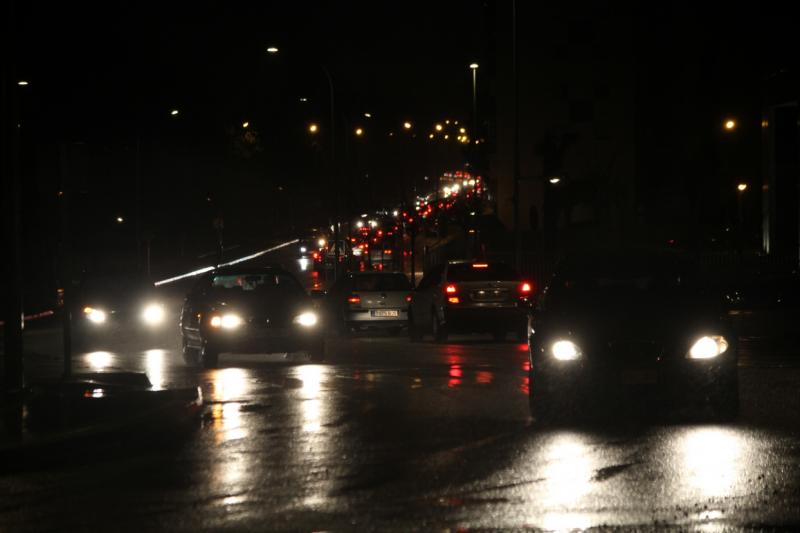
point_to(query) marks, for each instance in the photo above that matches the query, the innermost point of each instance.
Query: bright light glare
(174, 112)
(708, 347)
(438, 127)
(245, 125)
(307, 319)
(741, 187)
(359, 224)
(407, 125)
(554, 180)
(272, 50)
(303, 249)
(303, 264)
(229, 321)
(95, 315)
(730, 124)
(22, 83)
(313, 128)
(359, 132)
(322, 243)
(565, 350)
(395, 213)
(120, 220)
(153, 314)
(473, 66)
(99, 360)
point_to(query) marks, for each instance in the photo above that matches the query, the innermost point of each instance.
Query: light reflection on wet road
(387, 434)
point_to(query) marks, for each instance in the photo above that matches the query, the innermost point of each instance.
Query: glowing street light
(120, 220)
(438, 127)
(462, 130)
(473, 66)
(359, 132)
(313, 128)
(368, 115)
(730, 124)
(407, 125)
(303, 99)
(272, 50)
(430, 136)
(174, 112)
(741, 187)
(554, 180)
(22, 83)
(245, 124)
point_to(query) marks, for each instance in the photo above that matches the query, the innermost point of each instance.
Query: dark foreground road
(390, 435)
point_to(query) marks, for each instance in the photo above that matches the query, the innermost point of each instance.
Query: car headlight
(307, 319)
(153, 314)
(94, 315)
(227, 321)
(565, 350)
(708, 347)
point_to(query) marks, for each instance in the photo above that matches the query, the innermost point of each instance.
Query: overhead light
(245, 124)
(272, 50)
(303, 99)
(554, 180)
(368, 115)
(174, 112)
(473, 66)
(22, 83)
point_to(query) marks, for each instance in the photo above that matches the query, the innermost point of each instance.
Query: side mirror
(316, 294)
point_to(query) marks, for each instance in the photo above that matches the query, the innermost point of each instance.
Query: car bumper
(259, 341)
(483, 319)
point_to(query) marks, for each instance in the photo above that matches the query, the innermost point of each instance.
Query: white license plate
(386, 313)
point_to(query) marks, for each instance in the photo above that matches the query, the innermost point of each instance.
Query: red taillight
(451, 289)
(354, 299)
(453, 300)
(525, 288)
(408, 298)
(315, 256)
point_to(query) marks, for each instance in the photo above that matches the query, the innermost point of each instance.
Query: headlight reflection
(711, 459)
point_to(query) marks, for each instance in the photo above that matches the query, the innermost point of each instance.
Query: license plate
(638, 377)
(386, 313)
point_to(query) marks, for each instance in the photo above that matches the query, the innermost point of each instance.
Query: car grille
(634, 353)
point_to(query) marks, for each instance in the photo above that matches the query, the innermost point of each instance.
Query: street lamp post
(474, 68)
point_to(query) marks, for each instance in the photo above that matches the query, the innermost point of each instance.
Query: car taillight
(451, 289)
(354, 299)
(525, 288)
(408, 298)
(453, 300)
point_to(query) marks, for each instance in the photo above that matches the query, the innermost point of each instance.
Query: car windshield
(381, 282)
(248, 282)
(481, 272)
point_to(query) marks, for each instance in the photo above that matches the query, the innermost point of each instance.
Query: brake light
(453, 300)
(408, 298)
(451, 289)
(354, 299)
(525, 288)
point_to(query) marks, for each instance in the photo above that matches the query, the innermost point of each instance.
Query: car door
(423, 299)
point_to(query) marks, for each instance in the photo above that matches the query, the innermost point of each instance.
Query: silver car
(369, 300)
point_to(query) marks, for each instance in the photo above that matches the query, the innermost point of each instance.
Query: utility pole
(13, 381)
(333, 181)
(515, 77)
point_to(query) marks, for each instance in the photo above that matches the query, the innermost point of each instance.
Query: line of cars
(606, 325)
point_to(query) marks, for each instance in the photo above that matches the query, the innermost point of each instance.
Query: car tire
(438, 329)
(209, 358)
(191, 356)
(725, 400)
(414, 332)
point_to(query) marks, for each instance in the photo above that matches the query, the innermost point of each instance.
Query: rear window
(479, 272)
(381, 282)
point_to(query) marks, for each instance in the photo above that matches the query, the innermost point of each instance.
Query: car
(467, 296)
(249, 310)
(638, 327)
(105, 305)
(369, 300)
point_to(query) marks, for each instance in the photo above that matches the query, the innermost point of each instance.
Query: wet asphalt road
(391, 435)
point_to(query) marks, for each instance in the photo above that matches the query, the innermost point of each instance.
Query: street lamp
(359, 132)
(313, 128)
(554, 180)
(741, 187)
(474, 68)
(368, 115)
(245, 124)
(407, 125)
(120, 220)
(438, 127)
(22, 83)
(272, 50)
(730, 124)
(174, 112)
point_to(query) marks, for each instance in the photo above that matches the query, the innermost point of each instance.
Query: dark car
(102, 306)
(255, 310)
(630, 326)
(369, 300)
(470, 297)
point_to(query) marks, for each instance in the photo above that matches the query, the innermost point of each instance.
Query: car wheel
(191, 356)
(317, 354)
(209, 358)
(414, 332)
(438, 329)
(725, 400)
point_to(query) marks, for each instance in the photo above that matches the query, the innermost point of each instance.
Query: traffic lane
(366, 441)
